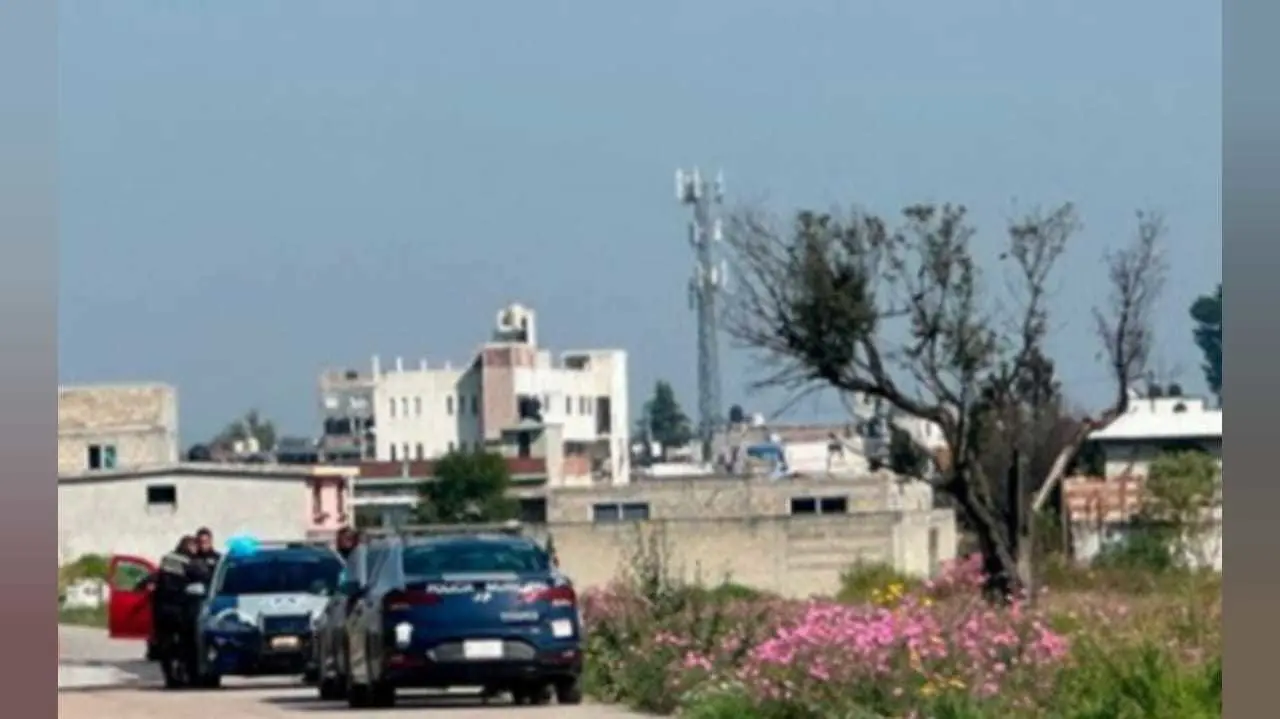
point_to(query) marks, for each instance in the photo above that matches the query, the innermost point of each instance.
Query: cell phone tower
(709, 276)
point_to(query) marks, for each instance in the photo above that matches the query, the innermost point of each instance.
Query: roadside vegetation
(1114, 641)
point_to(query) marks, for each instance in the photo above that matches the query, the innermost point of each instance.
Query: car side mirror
(195, 589)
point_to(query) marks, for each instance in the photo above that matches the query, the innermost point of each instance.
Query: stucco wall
(714, 497)
(112, 516)
(792, 556)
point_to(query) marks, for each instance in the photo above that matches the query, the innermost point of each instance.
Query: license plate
(284, 642)
(482, 649)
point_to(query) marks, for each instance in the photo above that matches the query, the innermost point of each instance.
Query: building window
(620, 512)
(162, 496)
(392, 407)
(405, 447)
(568, 405)
(419, 453)
(102, 456)
(393, 453)
(448, 405)
(533, 510)
(404, 406)
(451, 446)
(475, 404)
(822, 505)
(417, 406)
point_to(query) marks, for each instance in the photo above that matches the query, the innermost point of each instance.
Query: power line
(709, 275)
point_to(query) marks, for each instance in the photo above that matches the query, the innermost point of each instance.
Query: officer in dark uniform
(174, 611)
(205, 553)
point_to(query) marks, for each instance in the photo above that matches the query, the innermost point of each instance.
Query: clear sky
(253, 190)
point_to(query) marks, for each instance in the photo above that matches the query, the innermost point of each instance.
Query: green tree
(1206, 311)
(1180, 494)
(905, 456)
(467, 487)
(665, 418)
(850, 303)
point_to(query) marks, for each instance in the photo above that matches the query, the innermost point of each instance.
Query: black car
(330, 630)
(475, 609)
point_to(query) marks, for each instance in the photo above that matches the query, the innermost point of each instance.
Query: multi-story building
(116, 426)
(346, 408)
(509, 392)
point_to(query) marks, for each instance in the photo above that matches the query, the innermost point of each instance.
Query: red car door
(129, 601)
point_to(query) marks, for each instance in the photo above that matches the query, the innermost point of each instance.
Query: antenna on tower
(709, 277)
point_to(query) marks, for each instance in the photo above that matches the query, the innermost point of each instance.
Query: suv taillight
(399, 600)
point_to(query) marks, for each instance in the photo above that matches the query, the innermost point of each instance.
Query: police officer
(172, 613)
(347, 541)
(205, 553)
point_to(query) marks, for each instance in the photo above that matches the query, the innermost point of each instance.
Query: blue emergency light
(242, 545)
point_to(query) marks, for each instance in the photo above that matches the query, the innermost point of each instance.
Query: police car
(461, 609)
(263, 600)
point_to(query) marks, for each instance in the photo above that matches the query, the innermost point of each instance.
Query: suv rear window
(477, 557)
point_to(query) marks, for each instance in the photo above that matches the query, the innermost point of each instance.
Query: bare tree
(901, 314)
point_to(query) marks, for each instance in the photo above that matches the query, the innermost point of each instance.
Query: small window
(102, 456)
(417, 406)
(405, 447)
(418, 452)
(391, 406)
(475, 404)
(635, 512)
(833, 505)
(404, 406)
(568, 405)
(393, 453)
(533, 510)
(606, 513)
(546, 402)
(451, 446)
(448, 405)
(162, 495)
(623, 512)
(804, 505)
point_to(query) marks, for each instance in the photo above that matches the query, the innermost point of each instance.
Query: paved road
(99, 678)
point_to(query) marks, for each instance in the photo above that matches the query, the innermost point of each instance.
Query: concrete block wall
(791, 556)
(140, 420)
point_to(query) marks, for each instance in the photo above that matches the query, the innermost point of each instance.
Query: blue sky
(251, 191)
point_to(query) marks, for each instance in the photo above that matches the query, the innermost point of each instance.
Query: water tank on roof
(515, 323)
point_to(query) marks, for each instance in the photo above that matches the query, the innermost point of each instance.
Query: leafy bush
(902, 648)
(865, 582)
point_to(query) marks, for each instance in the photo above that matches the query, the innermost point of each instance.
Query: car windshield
(473, 557)
(281, 575)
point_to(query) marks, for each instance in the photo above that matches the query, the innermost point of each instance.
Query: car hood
(256, 606)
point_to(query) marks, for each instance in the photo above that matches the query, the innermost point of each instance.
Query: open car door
(129, 600)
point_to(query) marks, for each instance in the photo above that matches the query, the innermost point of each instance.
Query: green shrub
(1141, 682)
(864, 582)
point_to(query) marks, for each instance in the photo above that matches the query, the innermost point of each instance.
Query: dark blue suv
(486, 610)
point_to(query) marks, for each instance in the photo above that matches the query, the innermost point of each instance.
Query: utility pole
(709, 274)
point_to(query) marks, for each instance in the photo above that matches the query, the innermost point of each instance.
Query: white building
(1100, 507)
(1154, 425)
(144, 511)
(422, 412)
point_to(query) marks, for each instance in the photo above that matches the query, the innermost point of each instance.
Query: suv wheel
(569, 691)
